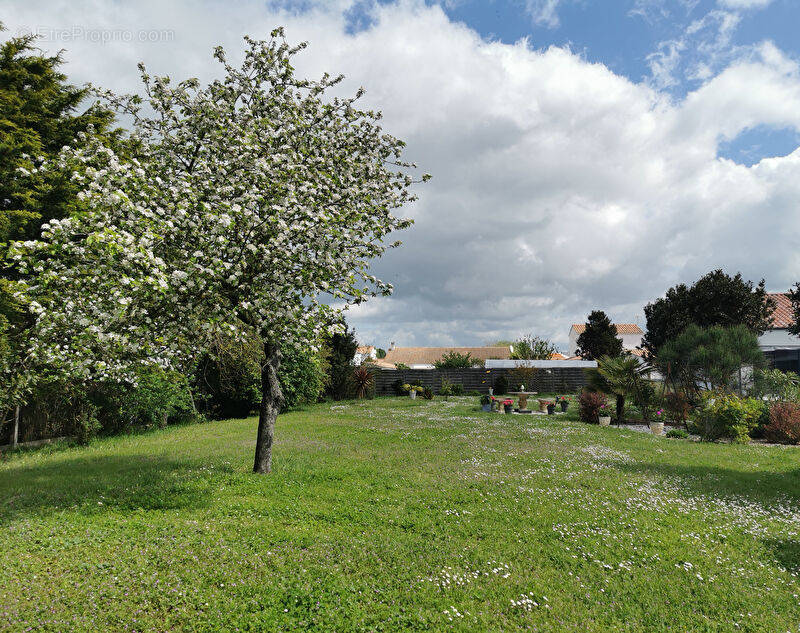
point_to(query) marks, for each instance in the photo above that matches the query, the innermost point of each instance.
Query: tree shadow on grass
(96, 484)
(762, 486)
(786, 552)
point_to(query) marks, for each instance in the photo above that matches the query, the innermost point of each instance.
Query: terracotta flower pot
(605, 420)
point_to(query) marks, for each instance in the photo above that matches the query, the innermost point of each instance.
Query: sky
(585, 154)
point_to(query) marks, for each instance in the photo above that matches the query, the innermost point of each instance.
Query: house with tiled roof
(365, 353)
(630, 333)
(425, 357)
(781, 348)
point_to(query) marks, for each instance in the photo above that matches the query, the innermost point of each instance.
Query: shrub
(56, 409)
(363, 381)
(784, 423)
(590, 403)
(427, 393)
(302, 376)
(773, 384)
(486, 399)
(474, 392)
(227, 380)
(677, 406)
(456, 360)
(522, 376)
(500, 385)
(763, 422)
(446, 388)
(728, 416)
(458, 389)
(397, 385)
(645, 398)
(158, 396)
(340, 350)
(677, 434)
(86, 424)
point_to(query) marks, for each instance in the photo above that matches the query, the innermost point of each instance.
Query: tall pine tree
(39, 114)
(599, 338)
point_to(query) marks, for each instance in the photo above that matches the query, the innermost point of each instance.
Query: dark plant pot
(487, 407)
(551, 409)
(508, 408)
(564, 405)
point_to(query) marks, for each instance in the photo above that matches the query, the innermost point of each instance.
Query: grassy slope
(398, 514)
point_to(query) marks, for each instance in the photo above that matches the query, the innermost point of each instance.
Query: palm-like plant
(620, 376)
(362, 380)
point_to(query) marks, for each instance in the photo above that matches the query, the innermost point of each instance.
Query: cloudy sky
(585, 153)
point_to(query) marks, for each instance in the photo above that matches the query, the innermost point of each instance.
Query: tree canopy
(710, 356)
(457, 360)
(532, 347)
(714, 299)
(39, 114)
(599, 338)
(256, 202)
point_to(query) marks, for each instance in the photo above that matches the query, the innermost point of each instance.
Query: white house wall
(778, 339)
(542, 364)
(629, 341)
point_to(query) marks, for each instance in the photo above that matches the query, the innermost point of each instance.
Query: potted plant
(542, 405)
(412, 390)
(508, 405)
(605, 415)
(551, 408)
(657, 426)
(564, 402)
(486, 403)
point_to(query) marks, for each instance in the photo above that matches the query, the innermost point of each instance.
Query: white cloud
(544, 12)
(558, 186)
(664, 63)
(744, 4)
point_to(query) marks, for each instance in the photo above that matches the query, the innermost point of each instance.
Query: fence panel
(556, 379)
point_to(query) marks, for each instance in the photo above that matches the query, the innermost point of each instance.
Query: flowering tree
(253, 204)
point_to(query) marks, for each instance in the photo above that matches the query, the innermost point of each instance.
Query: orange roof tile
(622, 328)
(429, 355)
(782, 316)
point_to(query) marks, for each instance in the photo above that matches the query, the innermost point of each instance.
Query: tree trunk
(620, 408)
(15, 432)
(271, 401)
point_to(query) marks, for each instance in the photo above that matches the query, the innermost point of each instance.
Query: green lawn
(395, 514)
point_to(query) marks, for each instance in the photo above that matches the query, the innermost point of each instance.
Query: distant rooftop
(622, 328)
(429, 355)
(782, 317)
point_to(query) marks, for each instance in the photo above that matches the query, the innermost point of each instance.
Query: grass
(394, 515)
